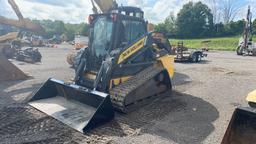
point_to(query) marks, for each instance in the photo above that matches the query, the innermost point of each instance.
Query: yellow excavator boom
(9, 71)
(16, 9)
(22, 22)
(104, 5)
(8, 37)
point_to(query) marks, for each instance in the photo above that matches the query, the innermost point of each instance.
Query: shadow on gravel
(181, 118)
(180, 79)
(191, 121)
(182, 82)
(187, 62)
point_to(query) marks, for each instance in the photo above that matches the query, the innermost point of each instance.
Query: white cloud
(76, 11)
(162, 8)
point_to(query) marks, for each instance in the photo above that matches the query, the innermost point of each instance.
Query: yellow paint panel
(131, 50)
(168, 63)
(118, 81)
(251, 97)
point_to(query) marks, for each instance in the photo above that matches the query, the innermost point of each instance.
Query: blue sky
(76, 11)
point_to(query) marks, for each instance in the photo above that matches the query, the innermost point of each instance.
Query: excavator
(22, 23)
(7, 69)
(123, 69)
(246, 45)
(242, 126)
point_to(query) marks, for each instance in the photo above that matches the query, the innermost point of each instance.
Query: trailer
(183, 54)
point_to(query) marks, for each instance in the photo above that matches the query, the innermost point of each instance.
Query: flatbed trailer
(183, 54)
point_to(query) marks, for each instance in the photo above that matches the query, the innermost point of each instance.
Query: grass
(225, 43)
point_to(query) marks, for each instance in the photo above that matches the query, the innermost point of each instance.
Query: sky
(77, 11)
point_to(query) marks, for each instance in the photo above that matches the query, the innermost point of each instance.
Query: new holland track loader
(123, 68)
(242, 126)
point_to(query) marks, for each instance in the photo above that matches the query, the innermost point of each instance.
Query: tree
(194, 20)
(170, 24)
(84, 29)
(215, 9)
(254, 27)
(168, 27)
(219, 29)
(235, 28)
(230, 9)
(70, 31)
(59, 27)
(161, 27)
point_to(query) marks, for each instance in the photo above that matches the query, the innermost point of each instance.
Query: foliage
(235, 28)
(254, 27)
(168, 26)
(194, 20)
(60, 28)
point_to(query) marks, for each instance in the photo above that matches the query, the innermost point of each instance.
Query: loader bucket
(75, 106)
(242, 127)
(9, 71)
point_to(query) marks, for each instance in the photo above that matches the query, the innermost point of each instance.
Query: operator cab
(129, 11)
(110, 33)
(113, 31)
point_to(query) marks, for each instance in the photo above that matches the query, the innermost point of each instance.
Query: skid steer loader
(242, 127)
(123, 68)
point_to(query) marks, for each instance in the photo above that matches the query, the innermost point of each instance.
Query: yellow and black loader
(123, 68)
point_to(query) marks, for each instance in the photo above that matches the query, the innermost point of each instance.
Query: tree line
(60, 28)
(197, 20)
(194, 20)
(53, 28)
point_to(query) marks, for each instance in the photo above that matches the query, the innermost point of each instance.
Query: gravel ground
(198, 111)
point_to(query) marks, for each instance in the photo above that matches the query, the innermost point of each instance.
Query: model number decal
(131, 50)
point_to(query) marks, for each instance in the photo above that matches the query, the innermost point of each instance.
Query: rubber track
(119, 93)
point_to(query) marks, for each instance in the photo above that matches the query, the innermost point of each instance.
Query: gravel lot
(198, 111)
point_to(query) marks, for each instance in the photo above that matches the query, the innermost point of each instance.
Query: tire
(194, 58)
(199, 58)
(254, 52)
(252, 104)
(238, 51)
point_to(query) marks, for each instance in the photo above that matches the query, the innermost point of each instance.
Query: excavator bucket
(242, 127)
(75, 106)
(9, 71)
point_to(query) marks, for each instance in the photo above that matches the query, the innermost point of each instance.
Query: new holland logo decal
(131, 50)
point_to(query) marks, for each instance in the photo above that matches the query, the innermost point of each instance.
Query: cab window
(133, 30)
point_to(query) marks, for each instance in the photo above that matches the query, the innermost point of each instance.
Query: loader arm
(22, 22)
(104, 5)
(16, 9)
